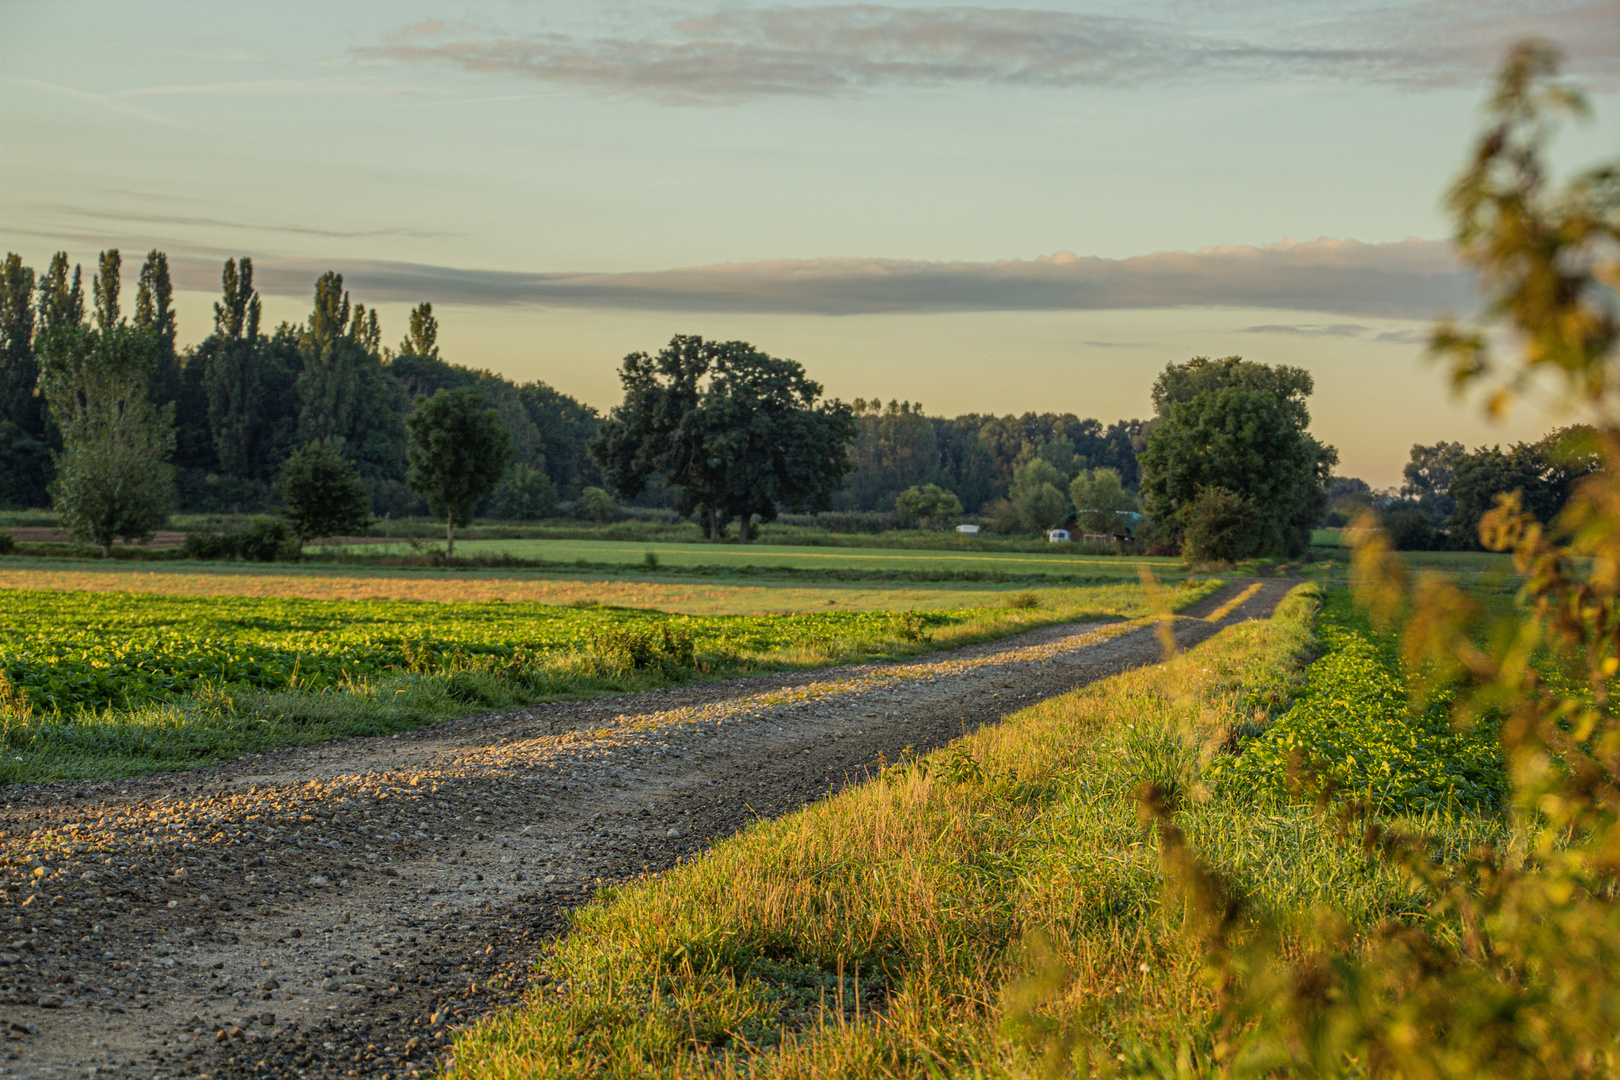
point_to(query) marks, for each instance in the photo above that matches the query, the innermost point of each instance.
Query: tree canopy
(1241, 427)
(113, 477)
(322, 493)
(457, 453)
(733, 431)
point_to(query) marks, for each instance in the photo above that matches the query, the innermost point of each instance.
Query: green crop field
(1355, 722)
(782, 556)
(108, 683)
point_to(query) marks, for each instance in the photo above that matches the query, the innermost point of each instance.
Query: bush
(594, 504)
(524, 494)
(8, 543)
(927, 505)
(211, 544)
(1220, 526)
(1002, 515)
(844, 521)
(324, 493)
(266, 540)
(1409, 529)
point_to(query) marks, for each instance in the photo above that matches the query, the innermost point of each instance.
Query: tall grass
(992, 909)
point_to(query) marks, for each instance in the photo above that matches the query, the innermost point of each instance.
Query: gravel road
(337, 910)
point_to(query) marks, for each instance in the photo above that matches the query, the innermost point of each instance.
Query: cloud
(1354, 330)
(230, 223)
(1411, 279)
(748, 54)
(1349, 330)
(104, 100)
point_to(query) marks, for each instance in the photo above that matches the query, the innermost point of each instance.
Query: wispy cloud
(1410, 279)
(1349, 330)
(746, 54)
(255, 88)
(106, 101)
(64, 209)
(1354, 330)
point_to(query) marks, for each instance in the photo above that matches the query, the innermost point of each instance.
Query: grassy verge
(470, 671)
(993, 909)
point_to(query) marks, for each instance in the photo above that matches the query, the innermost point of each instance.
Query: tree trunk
(714, 526)
(742, 537)
(449, 537)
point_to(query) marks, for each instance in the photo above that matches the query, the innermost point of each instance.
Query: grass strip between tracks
(991, 909)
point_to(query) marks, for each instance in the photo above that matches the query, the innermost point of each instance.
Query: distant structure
(971, 530)
(1058, 536)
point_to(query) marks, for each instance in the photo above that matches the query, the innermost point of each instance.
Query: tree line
(246, 397)
(93, 400)
(1447, 489)
(242, 401)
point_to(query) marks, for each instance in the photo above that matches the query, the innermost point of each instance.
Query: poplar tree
(61, 298)
(24, 458)
(231, 377)
(113, 480)
(344, 392)
(154, 312)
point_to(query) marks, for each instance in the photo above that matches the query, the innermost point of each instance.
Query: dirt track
(334, 910)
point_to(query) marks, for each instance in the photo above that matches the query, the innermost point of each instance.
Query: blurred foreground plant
(1511, 967)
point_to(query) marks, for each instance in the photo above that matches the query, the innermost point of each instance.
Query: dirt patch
(332, 911)
(43, 534)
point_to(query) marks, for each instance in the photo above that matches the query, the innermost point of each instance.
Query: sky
(982, 207)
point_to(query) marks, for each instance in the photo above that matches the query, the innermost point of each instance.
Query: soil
(337, 910)
(41, 534)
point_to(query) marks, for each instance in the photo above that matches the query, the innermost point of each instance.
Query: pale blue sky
(554, 177)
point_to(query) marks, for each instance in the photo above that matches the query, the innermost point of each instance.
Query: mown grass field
(783, 556)
(114, 683)
(992, 909)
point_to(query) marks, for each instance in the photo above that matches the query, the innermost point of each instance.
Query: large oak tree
(735, 432)
(1240, 427)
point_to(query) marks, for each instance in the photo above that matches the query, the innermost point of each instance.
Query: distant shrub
(844, 521)
(1024, 601)
(1410, 530)
(8, 543)
(594, 504)
(1003, 516)
(265, 540)
(928, 505)
(524, 494)
(209, 544)
(1220, 526)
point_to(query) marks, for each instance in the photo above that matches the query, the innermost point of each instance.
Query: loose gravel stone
(382, 892)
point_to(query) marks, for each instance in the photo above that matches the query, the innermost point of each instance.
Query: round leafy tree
(458, 451)
(322, 493)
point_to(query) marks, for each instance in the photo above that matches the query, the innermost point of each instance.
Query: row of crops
(65, 652)
(1354, 726)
